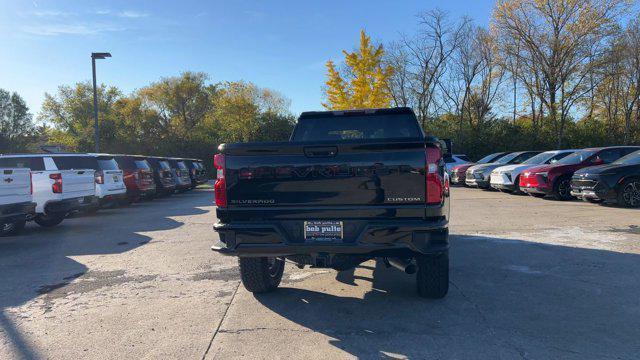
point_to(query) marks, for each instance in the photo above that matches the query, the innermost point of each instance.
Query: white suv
(110, 186)
(56, 192)
(506, 178)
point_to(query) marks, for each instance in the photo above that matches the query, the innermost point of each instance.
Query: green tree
(247, 112)
(17, 131)
(70, 112)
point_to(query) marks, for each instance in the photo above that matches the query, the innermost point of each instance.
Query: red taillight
(99, 176)
(220, 187)
(434, 184)
(56, 187)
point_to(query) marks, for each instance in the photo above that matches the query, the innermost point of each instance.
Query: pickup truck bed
(338, 200)
(16, 205)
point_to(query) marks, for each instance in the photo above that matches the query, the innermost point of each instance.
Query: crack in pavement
(224, 316)
(487, 324)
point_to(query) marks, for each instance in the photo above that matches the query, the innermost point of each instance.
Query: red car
(555, 179)
(459, 172)
(138, 177)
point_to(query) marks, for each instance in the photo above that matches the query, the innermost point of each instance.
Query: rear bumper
(71, 204)
(108, 193)
(112, 199)
(258, 239)
(19, 211)
(141, 192)
(183, 184)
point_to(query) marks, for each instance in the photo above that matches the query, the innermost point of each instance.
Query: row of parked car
(610, 174)
(48, 187)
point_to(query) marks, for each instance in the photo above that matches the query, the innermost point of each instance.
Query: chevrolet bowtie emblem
(8, 180)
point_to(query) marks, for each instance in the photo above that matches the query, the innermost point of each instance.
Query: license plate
(323, 230)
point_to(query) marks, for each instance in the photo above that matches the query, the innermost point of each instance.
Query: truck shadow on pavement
(508, 298)
(39, 263)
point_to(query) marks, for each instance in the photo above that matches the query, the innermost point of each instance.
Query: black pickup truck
(349, 186)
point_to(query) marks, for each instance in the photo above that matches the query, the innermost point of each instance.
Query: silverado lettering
(343, 170)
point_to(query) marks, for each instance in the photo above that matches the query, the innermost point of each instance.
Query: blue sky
(282, 45)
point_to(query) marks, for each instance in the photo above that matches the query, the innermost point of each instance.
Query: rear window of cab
(35, 163)
(76, 162)
(356, 127)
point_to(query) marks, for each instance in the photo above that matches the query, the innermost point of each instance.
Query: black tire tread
(432, 280)
(254, 274)
(49, 221)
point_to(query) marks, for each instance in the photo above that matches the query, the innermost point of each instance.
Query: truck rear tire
(261, 275)
(49, 220)
(433, 275)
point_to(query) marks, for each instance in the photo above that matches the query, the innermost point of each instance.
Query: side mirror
(597, 161)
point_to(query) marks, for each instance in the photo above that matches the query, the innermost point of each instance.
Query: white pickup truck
(55, 192)
(16, 205)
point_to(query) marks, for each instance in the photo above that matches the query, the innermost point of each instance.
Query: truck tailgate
(77, 183)
(375, 174)
(15, 186)
(113, 179)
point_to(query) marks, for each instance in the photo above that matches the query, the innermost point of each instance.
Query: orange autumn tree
(364, 81)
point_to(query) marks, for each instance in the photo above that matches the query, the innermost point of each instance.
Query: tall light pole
(96, 127)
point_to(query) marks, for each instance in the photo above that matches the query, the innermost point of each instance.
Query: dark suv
(180, 174)
(165, 183)
(618, 182)
(196, 171)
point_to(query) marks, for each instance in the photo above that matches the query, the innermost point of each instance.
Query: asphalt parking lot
(531, 278)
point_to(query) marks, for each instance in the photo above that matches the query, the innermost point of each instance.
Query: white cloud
(102, 12)
(51, 13)
(133, 14)
(69, 29)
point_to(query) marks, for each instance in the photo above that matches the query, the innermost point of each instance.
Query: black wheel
(12, 227)
(260, 275)
(49, 220)
(562, 188)
(432, 280)
(629, 193)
